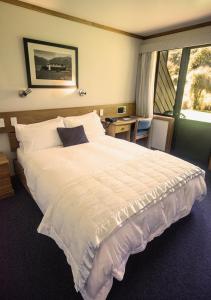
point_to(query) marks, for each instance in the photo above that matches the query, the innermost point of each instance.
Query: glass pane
(167, 78)
(173, 65)
(196, 102)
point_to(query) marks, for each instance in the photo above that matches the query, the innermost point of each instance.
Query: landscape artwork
(50, 65)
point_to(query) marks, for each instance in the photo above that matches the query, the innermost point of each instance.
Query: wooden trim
(173, 31)
(58, 14)
(34, 116)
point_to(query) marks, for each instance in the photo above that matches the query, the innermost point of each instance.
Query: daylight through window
(195, 95)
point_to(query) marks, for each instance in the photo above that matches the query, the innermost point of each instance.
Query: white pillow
(37, 136)
(91, 122)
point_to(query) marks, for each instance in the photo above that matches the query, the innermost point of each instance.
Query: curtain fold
(145, 84)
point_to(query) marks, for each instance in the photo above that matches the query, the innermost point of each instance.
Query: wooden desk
(121, 126)
(155, 141)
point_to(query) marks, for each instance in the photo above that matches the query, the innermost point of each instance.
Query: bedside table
(121, 126)
(5, 182)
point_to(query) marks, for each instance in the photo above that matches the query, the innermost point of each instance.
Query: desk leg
(111, 131)
(128, 134)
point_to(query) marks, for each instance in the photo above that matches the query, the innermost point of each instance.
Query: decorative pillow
(91, 122)
(37, 136)
(72, 136)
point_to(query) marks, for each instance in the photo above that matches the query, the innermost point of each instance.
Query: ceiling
(142, 17)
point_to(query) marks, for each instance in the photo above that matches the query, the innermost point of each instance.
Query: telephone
(110, 120)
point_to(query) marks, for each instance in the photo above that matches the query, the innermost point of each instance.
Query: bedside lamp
(82, 93)
(24, 93)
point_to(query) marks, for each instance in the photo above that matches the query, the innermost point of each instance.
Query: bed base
(19, 172)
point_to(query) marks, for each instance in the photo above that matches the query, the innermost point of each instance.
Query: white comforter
(106, 199)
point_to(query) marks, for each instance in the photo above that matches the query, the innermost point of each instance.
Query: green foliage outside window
(197, 93)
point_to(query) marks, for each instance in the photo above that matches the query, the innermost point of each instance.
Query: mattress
(46, 179)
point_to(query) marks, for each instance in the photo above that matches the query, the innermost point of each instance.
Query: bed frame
(34, 116)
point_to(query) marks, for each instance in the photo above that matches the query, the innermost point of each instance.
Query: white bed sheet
(133, 236)
(23, 157)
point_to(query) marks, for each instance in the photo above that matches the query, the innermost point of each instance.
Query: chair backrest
(144, 124)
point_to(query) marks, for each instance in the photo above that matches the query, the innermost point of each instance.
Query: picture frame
(50, 65)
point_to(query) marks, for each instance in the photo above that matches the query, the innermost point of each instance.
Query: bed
(105, 200)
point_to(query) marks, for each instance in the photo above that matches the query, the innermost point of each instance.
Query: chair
(141, 130)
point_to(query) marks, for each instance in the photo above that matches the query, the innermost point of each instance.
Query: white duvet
(104, 200)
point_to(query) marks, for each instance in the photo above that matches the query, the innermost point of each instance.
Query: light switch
(13, 121)
(2, 124)
(101, 112)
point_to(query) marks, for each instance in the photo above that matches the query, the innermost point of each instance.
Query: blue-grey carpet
(176, 265)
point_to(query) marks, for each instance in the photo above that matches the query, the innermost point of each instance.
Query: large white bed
(105, 200)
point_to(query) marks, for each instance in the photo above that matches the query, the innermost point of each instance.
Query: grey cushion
(72, 136)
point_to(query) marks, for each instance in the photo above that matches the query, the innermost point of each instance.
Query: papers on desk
(126, 119)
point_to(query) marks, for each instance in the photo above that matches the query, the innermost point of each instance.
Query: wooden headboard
(34, 116)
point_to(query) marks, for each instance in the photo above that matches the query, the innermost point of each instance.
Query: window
(196, 101)
(168, 67)
(183, 83)
(173, 65)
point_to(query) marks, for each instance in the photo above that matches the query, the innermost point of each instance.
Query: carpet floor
(176, 265)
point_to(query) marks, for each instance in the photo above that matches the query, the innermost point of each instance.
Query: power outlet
(101, 112)
(13, 121)
(2, 124)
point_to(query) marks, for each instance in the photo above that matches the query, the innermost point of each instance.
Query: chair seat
(142, 127)
(142, 133)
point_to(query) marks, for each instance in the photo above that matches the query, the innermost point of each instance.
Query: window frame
(183, 68)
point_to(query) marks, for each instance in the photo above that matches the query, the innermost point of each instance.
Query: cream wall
(107, 62)
(200, 36)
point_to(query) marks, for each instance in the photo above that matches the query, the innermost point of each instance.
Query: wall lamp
(24, 93)
(82, 93)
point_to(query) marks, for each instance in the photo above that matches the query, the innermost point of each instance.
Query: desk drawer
(122, 128)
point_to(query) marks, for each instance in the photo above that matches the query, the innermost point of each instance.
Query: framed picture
(50, 65)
